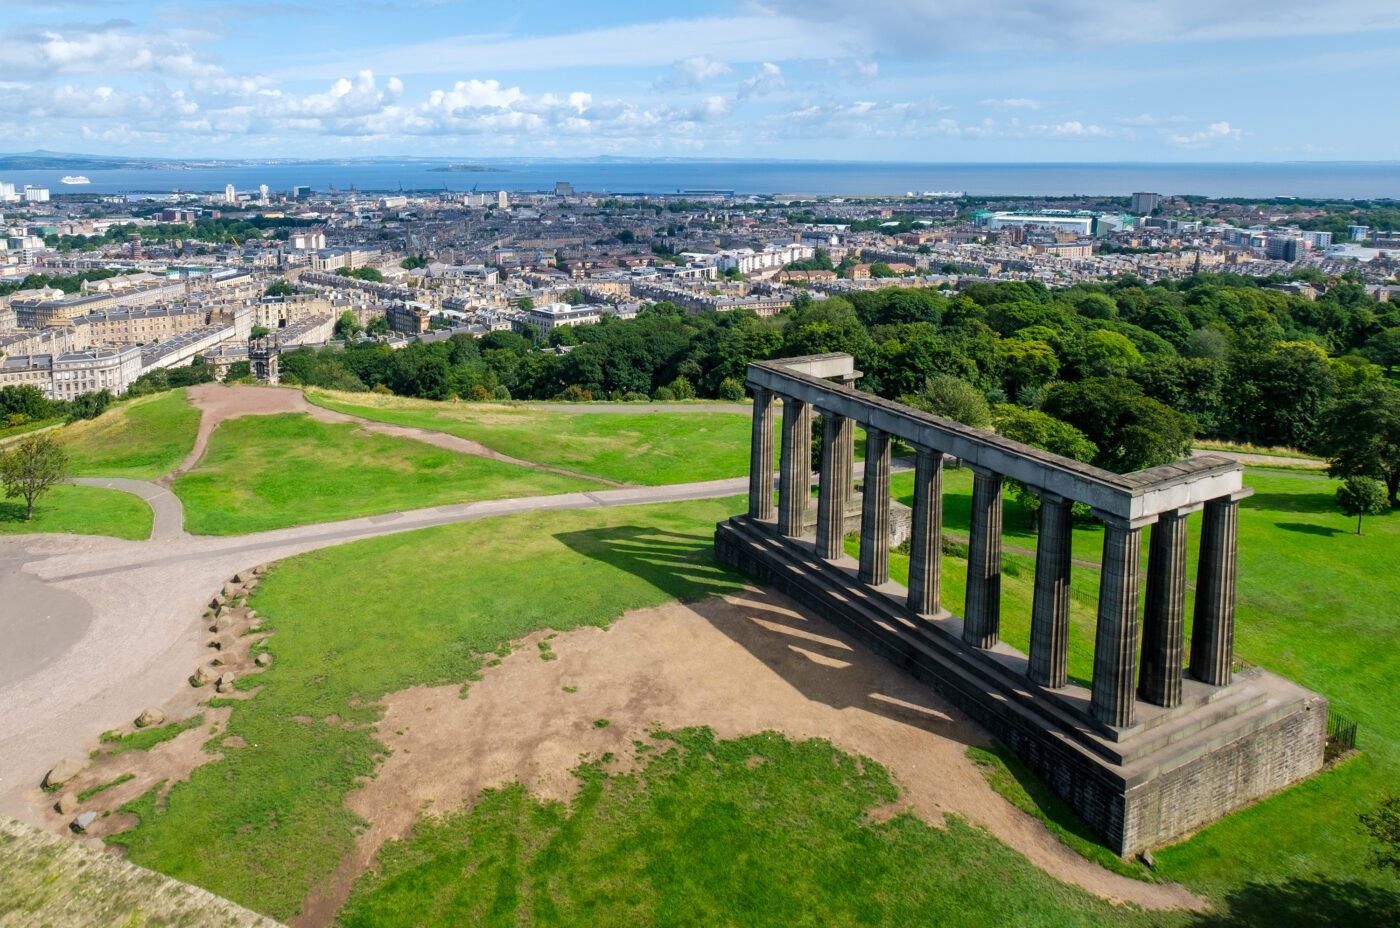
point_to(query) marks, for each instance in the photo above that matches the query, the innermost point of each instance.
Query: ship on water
(79, 179)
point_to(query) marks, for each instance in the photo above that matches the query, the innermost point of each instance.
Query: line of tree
(1139, 371)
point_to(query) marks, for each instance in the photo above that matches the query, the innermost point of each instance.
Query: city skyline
(1001, 80)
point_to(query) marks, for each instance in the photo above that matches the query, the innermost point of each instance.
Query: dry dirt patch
(740, 665)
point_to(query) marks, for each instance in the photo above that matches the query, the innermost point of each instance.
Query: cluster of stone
(230, 617)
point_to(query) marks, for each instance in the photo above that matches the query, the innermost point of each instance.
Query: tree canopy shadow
(1321, 502)
(1306, 528)
(1306, 903)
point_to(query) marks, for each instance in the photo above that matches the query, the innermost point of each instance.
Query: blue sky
(921, 80)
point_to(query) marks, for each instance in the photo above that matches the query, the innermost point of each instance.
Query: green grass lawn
(1317, 604)
(80, 510)
(142, 438)
(701, 836)
(648, 448)
(263, 824)
(266, 472)
(757, 830)
(17, 430)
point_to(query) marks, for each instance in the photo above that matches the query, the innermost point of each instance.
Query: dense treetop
(1138, 370)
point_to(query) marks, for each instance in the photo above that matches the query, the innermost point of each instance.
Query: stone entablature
(1145, 724)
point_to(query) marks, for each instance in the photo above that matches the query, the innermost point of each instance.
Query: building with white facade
(71, 374)
(554, 315)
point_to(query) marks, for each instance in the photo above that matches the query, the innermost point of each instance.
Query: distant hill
(63, 161)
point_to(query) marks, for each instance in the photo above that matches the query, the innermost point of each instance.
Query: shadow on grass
(1308, 903)
(14, 512)
(1304, 528)
(809, 655)
(678, 564)
(1323, 502)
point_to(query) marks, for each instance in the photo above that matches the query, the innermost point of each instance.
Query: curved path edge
(167, 510)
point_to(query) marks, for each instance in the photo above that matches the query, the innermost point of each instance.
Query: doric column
(1050, 610)
(875, 510)
(982, 617)
(795, 471)
(834, 487)
(1213, 627)
(926, 532)
(761, 456)
(1115, 642)
(1162, 619)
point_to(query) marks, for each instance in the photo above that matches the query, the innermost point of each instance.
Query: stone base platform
(1170, 773)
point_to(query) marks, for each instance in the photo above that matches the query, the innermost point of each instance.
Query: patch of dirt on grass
(739, 664)
(218, 402)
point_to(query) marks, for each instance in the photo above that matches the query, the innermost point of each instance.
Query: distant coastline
(467, 169)
(671, 176)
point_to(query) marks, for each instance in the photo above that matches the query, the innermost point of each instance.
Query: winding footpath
(105, 627)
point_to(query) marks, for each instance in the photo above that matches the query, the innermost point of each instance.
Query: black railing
(1341, 735)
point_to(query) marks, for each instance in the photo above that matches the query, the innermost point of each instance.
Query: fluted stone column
(834, 488)
(875, 510)
(1163, 616)
(1213, 626)
(982, 617)
(795, 470)
(926, 533)
(1050, 611)
(761, 456)
(1116, 639)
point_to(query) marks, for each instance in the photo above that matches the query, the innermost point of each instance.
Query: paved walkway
(169, 511)
(144, 636)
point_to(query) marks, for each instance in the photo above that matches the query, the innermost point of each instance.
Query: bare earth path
(218, 402)
(741, 665)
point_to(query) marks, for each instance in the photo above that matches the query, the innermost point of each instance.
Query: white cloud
(116, 46)
(698, 69)
(1213, 134)
(1011, 103)
(766, 78)
(1072, 129)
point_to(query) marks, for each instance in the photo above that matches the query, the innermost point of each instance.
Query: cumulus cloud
(1072, 129)
(116, 46)
(1213, 134)
(698, 69)
(766, 78)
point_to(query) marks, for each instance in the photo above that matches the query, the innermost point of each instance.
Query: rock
(150, 717)
(225, 682)
(1148, 859)
(263, 659)
(83, 822)
(202, 676)
(242, 602)
(223, 643)
(252, 614)
(63, 771)
(214, 605)
(222, 624)
(66, 804)
(237, 578)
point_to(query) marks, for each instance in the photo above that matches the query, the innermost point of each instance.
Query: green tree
(279, 288)
(31, 468)
(413, 262)
(953, 398)
(1361, 436)
(1362, 496)
(1383, 824)
(257, 332)
(1131, 430)
(347, 327)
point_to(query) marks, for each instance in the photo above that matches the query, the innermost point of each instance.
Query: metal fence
(1341, 734)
